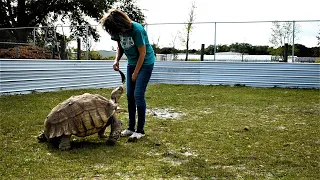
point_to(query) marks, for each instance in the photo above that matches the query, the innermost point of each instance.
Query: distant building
(220, 56)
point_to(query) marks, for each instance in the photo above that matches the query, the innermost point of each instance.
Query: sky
(230, 10)
(176, 11)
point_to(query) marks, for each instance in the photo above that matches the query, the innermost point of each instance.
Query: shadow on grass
(76, 145)
(90, 143)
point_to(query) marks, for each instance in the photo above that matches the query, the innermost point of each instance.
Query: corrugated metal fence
(255, 74)
(25, 76)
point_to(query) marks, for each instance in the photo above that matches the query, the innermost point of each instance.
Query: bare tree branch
(189, 27)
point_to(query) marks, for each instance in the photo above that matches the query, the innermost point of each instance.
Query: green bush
(318, 60)
(193, 59)
(109, 58)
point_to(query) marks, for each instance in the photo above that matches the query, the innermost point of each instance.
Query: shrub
(109, 58)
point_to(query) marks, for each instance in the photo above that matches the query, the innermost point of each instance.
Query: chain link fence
(57, 41)
(290, 41)
(241, 41)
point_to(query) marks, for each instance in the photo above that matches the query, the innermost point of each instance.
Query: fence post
(54, 50)
(63, 54)
(293, 36)
(285, 58)
(34, 36)
(78, 49)
(87, 42)
(215, 40)
(17, 52)
(202, 52)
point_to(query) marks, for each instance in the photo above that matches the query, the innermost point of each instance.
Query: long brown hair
(116, 22)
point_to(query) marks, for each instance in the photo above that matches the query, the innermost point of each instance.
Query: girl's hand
(116, 65)
(134, 76)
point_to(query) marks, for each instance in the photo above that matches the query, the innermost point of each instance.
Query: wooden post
(63, 53)
(286, 49)
(78, 49)
(17, 52)
(54, 51)
(202, 52)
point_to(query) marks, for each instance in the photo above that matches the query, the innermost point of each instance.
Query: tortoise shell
(81, 115)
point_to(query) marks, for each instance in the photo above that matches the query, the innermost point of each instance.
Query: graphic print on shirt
(126, 42)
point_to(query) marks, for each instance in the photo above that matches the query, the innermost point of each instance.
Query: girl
(133, 41)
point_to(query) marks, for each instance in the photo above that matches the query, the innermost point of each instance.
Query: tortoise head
(116, 94)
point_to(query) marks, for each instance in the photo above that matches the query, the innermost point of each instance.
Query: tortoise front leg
(116, 127)
(42, 138)
(101, 132)
(65, 143)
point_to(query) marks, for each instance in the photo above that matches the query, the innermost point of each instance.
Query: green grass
(225, 133)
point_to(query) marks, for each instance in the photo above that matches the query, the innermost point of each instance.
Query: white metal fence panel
(26, 76)
(176, 72)
(293, 75)
(262, 74)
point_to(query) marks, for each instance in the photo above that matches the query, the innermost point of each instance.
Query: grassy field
(223, 133)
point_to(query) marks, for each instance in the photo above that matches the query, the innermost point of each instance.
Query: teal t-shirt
(131, 40)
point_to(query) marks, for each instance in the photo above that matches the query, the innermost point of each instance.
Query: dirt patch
(167, 113)
(26, 52)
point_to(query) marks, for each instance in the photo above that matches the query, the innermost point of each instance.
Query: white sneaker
(136, 135)
(126, 132)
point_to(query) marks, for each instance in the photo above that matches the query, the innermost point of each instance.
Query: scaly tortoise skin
(84, 115)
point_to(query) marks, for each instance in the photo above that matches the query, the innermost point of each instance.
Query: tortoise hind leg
(65, 143)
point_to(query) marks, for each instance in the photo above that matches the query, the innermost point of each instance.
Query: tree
(155, 45)
(95, 55)
(26, 13)
(243, 48)
(209, 50)
(302, 51)
(282, 33)
(188, 28)
(223, 48)
(315, 51)
(173, 45)
(260, 50)
(167, 50)
(132, 10)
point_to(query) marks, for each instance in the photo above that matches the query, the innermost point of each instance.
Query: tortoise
(84, 115)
